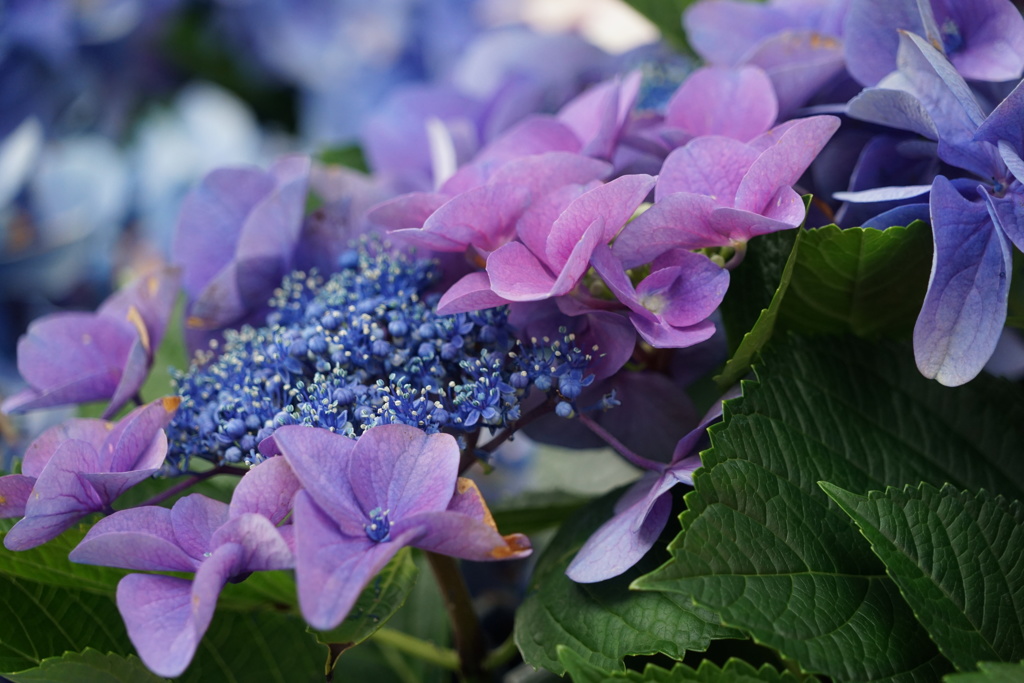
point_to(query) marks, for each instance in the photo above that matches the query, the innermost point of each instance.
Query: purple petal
(799, 63)
(14, 492)
(331, 567)
(133, 375)
(484, 217)
(211, 221)
(739, 226)
(136, 441)
(613, 203)
(993, 40)
(597, 116)
(267, 489)
(663, 336)
(319, 458)
(679, 220)
(471, 293)
(883, 194)
(722, 32)
(782, 164)
(1008, 214)
(406, 211)
(402, 470)
(535, 224)
(870, 40)
(263, 547)
(516, 274)
(965, 306)
(682, 456)
(713, 166)
(42, 449)
(1005, 123)
(465, 530)
(689, 287)
(623, 540)
(167, 617)
(195, 518)
(579, 258)
(540, 173)
(110, 485)
(146, 304)
(70, 358)
(137, 538)
(737, 103)
(894, 108)
(59, 498)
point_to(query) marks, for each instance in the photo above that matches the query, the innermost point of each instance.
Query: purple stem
(619, 447)
(191, 481)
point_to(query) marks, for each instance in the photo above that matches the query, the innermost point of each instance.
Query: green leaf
(264, 647)
(261, 590)
(754, 340)
(667, 15)
(860, 280)
(49, 564)
(991, 672)
(958, 559)
(89, 666)
(350, 156)
(762, 545)
(753, 284)
(734, 671)
(605, 621)
(376, 604)
(39, 621)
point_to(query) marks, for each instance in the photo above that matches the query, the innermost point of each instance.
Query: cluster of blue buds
(361, 348)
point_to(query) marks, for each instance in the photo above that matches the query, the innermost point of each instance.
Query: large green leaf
(734, 671)
(764, 548)
(89, 666)
(991, 672)
(257, 647)
(761, 331)
(860, 280)
(38, 621)
(605, 621)
(958, 558)
(49, 564)
(376, 604)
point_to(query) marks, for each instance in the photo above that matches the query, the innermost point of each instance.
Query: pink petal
(737, 103)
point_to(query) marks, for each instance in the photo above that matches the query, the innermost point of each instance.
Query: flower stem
(191, 481)
(443, 657)
(619, 447)
(502, 654)
(469, 642)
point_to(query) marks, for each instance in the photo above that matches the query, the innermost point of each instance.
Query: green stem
(394, 659)
(502, 654)
(443, 657)
(466, 632)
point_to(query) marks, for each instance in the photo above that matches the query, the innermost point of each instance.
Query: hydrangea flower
(79, 357)
(973, 222)
(81, 466)
(717, 191)
(167, 616)
(364, 500)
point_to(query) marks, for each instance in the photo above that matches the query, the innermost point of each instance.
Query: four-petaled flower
(364, 500)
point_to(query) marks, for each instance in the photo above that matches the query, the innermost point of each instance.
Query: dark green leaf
(39, 621)
(762, 329)
(257, 647)
(261, 590)
(377, 603)
(49, 564)
(734, 671)
(753, 284)
(90, 666)
(958, 559)
(991, 672)
(603, 622)
(860, 280)
(765, 549)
